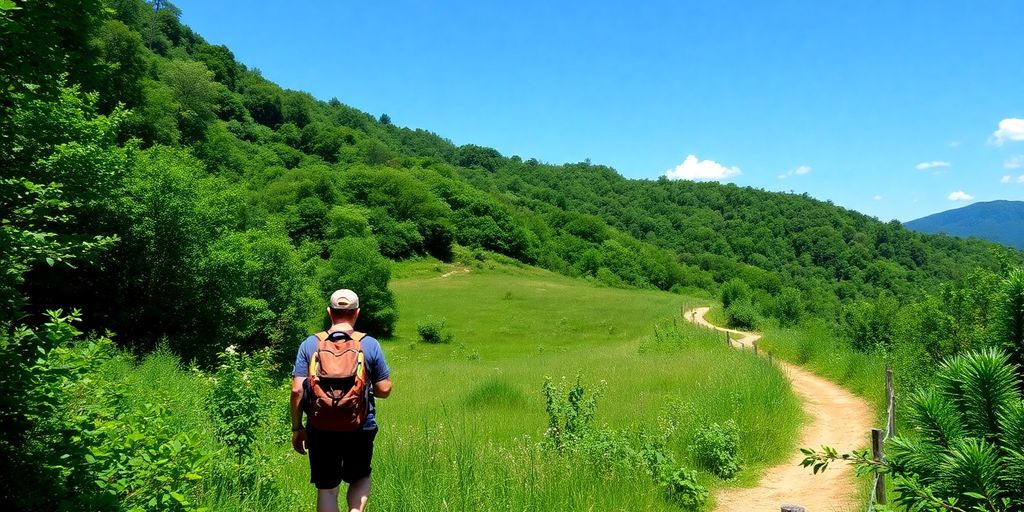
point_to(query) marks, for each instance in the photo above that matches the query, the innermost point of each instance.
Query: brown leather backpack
(339, 392)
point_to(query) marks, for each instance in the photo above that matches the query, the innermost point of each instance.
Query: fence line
(878, 438)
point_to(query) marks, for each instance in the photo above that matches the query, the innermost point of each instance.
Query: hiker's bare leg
(358, 493)
(327, 500)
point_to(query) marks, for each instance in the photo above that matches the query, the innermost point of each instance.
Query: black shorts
(337, 456)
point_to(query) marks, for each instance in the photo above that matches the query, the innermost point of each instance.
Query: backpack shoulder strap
(358, 336)
(321, 337)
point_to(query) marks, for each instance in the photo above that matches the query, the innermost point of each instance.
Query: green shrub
(681, 487)
(434, 330)
(735, 290)
(965, 450)
(742, 314)
(94, 444)
(714, 448)
(570, 414)
(571, 434)
(236, 403)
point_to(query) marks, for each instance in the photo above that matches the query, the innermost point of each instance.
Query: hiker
(337, 375)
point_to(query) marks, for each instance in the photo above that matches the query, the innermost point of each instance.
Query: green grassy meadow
(465, 425)
(462, 429)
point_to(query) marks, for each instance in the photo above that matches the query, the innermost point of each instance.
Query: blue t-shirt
(376, 368)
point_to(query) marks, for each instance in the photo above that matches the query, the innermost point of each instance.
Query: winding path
(835, 417)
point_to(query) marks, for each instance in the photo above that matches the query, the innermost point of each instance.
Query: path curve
(836, 418)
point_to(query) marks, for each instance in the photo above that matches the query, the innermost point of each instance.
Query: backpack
(339, 392)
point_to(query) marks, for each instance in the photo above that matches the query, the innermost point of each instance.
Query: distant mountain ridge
(998, 221)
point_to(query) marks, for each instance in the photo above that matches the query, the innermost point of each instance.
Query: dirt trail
(835, 417)
(459, 270)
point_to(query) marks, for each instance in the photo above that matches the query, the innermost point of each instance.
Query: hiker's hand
(299, 441)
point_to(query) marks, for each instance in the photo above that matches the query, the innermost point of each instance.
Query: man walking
(339, 450)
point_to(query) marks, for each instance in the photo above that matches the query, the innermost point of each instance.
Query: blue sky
(895, 109)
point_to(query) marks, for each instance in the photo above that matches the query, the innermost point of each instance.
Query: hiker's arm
(297, 402)
(298, 434)
(382, 388)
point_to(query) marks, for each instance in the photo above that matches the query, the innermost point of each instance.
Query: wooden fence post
(890, 402)
(754, 344)
(792, 508)
(728, 342)
(876, 453)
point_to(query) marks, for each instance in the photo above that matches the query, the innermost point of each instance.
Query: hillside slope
(997, 221)
(215, 186)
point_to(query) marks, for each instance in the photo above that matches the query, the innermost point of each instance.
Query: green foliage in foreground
(76, 440)
(966, 448)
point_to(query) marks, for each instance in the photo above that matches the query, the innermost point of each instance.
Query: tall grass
(816, 348)
(481, 450)
(464, 426)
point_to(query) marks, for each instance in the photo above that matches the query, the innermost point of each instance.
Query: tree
(734, 290)
(256, 284)
(195, 93)
(41, 40)
(64, 163)
(118, 72)
(356, 264)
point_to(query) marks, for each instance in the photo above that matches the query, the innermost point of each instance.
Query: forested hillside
(173, 176)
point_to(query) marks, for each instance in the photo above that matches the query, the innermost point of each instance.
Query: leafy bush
(714, 448)
(239, 401)
(571, 432)
(434, 330)
(87, 440)
(734, 290)
(788, 307)
(236, 403)
(681, 487)
(1010, 326)
(742, 314)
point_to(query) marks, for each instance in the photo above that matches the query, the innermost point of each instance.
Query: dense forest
(184, 202)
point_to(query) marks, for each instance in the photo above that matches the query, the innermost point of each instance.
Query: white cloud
(1020, 179)
(960, 195)
(1006, 179)
(955, 144)
(695, 169)
(928, 165)
(878, 197)
(1014, 162)
(799, 171)
(1011, 128)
